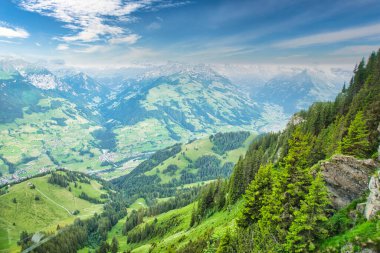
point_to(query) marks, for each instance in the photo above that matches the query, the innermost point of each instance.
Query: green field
(58, 135)
(54, 207)
(193, 151)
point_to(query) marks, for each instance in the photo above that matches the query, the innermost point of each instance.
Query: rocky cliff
(347, 178)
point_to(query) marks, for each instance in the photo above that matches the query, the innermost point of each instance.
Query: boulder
(347, 178)
(373, 201)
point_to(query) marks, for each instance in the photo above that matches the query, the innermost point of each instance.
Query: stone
(347, 178)
(373, 201)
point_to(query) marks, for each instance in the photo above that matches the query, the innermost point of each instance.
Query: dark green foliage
(211, 199)
(153, 229)
(84, 196)
(25, 240)
(106, 138)
(171, 169)
(114, 245)
(134, 219)
(263, 149)
(58, 179)
(224, 142)
(182, 198)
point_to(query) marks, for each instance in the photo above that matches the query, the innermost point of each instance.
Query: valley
(78, 123)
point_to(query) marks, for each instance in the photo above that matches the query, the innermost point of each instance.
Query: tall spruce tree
(255, 196)
(307, 225)
(356, 141)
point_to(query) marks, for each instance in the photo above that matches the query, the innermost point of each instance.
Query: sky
(119, 33)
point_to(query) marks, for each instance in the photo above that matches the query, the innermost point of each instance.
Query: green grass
(193, 151)
(369, 230)
(36, 133)
(138, 204)
(45, 214)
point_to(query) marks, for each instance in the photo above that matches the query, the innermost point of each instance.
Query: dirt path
(54, 201)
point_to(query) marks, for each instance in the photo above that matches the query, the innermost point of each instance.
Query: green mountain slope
(183, 165)
(285, 206)
(59, 135)
(37, 205)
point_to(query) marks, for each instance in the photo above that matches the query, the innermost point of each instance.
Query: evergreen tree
(356, 141)
(307, 225)
(226, 244)
(255, 195)
(114, 245)
(296, 175)
(236, 182)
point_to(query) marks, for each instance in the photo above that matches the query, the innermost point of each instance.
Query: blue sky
(114, 33)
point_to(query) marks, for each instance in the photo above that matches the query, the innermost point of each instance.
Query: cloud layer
(12, 32)
(332, 37)
(95, 20)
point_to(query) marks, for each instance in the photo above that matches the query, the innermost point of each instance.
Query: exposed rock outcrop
(347, 178)
(373, 201)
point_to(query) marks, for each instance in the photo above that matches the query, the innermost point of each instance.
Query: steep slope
(178, 105)
(184, 165)
(283, 178)
(36, 205)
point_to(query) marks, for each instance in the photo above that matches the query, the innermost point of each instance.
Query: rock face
(347, 178)
(373, 201)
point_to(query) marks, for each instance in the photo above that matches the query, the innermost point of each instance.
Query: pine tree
(256, 193)
(307, 225)
(236, 182)
(226, 244)
(296, 175)
(356, 141)
(269, 226)
(114, 245)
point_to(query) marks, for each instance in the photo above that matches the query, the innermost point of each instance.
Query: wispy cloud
(129, 39)
(62, 47)
(10, 32)
(95, 20)
(332, 37)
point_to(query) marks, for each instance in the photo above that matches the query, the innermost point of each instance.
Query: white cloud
(332, 37)
(12, 32)
(93, 20)
(62, 47)
(129, 39)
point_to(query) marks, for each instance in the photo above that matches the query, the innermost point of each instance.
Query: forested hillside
(276, 199)
(277, 190)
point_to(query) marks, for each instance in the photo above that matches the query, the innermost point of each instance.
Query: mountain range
(120, 121)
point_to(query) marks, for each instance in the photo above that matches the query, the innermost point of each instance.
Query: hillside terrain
(300, 190)
(39, 205)
(109, 128)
